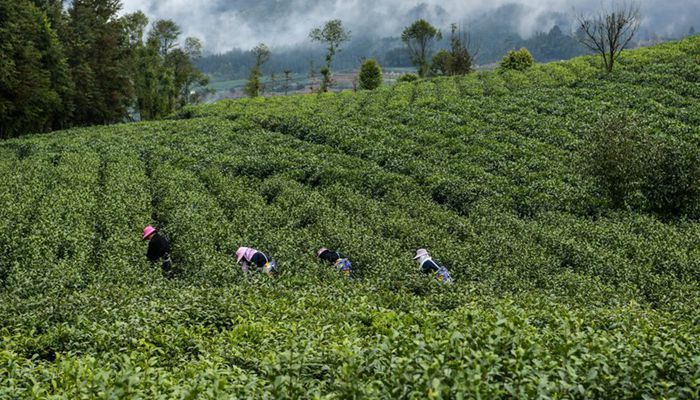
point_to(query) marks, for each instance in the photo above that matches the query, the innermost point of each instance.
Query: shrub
(519, 60)
(370, 75)
(672, 179)
(638, 170)
(613, 157)
(408, 78)
(442, 61)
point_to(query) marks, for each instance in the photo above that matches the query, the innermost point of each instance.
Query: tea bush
(370, 75)
(637, 169)
(517, 60)
(558, 292)
(408, 78)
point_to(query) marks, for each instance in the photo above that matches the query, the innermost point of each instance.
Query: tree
(370, 75)
(287, 80)
(461, 52)
(519, 60)
(98, 55)
(333, 34)
(273, 82)
(163, 70)
(134, 25)
(441, 63)
(34, 79)
(154, 81)
(418, 37)
(610, 31)
(164, 33)
(186, 77)
(254, 86)
(691, 32)
(54, 12)
(312, 75)
(460, 57)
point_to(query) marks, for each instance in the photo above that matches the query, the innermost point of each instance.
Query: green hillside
(558, 292)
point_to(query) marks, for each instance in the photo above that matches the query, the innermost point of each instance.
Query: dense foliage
(557, 293)
(88, 65)
(370, 75)
(34, 79)
(408, 78)
(419, 38)
(517, 60)
(639, 170)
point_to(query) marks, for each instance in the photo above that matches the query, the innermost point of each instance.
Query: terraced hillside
(558, 293)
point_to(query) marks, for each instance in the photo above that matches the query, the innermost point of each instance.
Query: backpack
(345, 266)
(270, 268)
(443, 275)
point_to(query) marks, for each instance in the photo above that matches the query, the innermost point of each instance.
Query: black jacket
(430, 266)
(259, 259)
(158, 247)
(331, 256)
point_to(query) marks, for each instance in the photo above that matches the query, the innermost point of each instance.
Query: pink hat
(420, 253)
(148, 231)
(320, 251)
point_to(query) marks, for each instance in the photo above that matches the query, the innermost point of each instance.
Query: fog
(224, 25)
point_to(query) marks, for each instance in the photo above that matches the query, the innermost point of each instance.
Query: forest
(89, 65)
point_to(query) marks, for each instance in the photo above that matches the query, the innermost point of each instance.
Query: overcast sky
(227, 24)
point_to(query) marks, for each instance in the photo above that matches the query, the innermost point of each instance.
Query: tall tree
(134, 28)
(186, 76)
(165, 33)
(461, 52)
(34, 81)
(254, 86)
(287, 80)
(610, 31)
(146, 69)
(333, 34)
(54, 12)
(163, 70)
(419, 38)
(98, 57)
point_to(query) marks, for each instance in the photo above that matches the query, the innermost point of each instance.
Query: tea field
(557, 293)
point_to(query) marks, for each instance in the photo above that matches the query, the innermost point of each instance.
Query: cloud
(224, 25)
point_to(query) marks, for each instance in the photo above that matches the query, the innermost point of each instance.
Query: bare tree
(254, 87)
(273, 83)
(287, 80)
(312, 75)
(463, 51)
(610, 31)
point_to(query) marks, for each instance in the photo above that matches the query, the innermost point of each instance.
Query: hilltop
(558, 291)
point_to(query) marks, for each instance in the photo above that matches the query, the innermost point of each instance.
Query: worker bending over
(158, 248)
(247, 257)
(338, 260)
(429, 266)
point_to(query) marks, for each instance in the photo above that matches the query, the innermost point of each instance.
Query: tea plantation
(557, 293)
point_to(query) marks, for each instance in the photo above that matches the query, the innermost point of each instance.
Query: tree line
(606, 33)
(86, 65)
